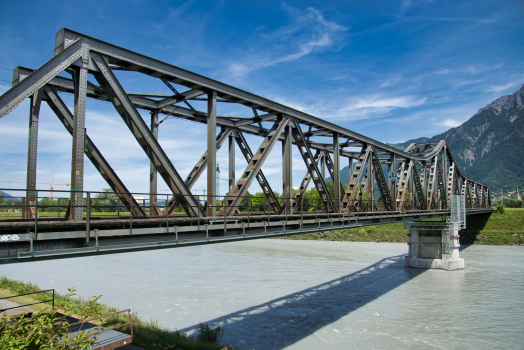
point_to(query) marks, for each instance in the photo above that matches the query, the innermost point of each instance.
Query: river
(275, 294)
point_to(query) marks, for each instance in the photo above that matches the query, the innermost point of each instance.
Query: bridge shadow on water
(284, 321)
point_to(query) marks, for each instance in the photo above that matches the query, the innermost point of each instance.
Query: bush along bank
(503, 227)
(148, 334)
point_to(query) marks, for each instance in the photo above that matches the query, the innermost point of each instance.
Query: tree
(106, 201)
(44, 330)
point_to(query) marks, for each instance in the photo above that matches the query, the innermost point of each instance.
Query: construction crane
(218, 183)
(219, 179)
(52, 183)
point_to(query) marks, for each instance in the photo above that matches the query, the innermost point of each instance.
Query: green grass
(495, 229)
(379, 233)
(148, 333)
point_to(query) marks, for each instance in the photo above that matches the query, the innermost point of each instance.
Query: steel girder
(132, 61)
(331, 170)
(253, 169)
(405, 173)
(305, 183)
(93, 154)
(381, 181)
(348, 201)
(199, 168)
(419, 189)
(36, 99)
(136, 124)
(261, 178)
(312, 167)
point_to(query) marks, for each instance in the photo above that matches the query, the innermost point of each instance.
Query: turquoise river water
(276, 294)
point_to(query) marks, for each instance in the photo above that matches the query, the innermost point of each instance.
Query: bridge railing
(45, 205)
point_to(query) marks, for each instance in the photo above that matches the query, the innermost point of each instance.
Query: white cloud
(451, 123)
(500, 88)
(308, 32)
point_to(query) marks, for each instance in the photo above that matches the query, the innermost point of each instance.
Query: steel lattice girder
(319, 182)
(199, 168)
(261, 178)
(254, 166)
(354, 182)
(91, 151)
(299, 196)
(144, 137)
(77, 50)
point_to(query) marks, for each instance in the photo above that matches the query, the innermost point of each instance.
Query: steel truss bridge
(386, 185)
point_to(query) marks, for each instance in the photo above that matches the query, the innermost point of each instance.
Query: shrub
(500, 209)
(209, 334)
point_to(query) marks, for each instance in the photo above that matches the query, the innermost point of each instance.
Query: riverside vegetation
(146, 333)
(503, 227)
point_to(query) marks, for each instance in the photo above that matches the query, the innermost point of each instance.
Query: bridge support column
(434, 247)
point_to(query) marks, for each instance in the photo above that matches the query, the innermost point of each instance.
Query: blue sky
(391, 70)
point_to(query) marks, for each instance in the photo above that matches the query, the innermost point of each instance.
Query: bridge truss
(382, 178)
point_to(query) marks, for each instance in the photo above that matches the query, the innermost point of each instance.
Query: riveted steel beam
(199, 167)
(79, 131)
(329, 164)
(317, 178)
(153, 189)
(254, 166)
(287, 173)
(135, 123)
(261, 178)
(211, 153)
(32, 140)
(381, 181)
(305, 183)
(348, 201)
(38, 78)
(93, 154)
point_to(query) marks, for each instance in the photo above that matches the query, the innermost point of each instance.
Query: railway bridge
(385, 184)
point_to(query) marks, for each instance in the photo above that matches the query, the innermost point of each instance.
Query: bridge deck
(58, 238)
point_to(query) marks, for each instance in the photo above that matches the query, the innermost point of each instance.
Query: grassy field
(148, 334)
(496, 229)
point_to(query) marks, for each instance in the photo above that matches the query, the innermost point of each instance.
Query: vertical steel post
(77, 163)
(232, 179)
(88, 217)
(323, 166)
(34, 113)
(211, 153)
(426, 182)
(392, 169)
(371, 182)
(152, 171)
(336, 171)
(350, 166)
(287, 174)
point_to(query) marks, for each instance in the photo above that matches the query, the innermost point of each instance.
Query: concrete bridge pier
(433, 246)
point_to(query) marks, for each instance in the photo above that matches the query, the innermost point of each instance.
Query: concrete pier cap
(433, 245)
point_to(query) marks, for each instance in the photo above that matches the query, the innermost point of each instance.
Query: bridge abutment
(433, 246)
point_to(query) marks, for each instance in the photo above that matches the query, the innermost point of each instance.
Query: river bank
(496, 229)
(147, 333)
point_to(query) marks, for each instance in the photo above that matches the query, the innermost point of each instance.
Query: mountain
(489, 147)
(6, 195)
